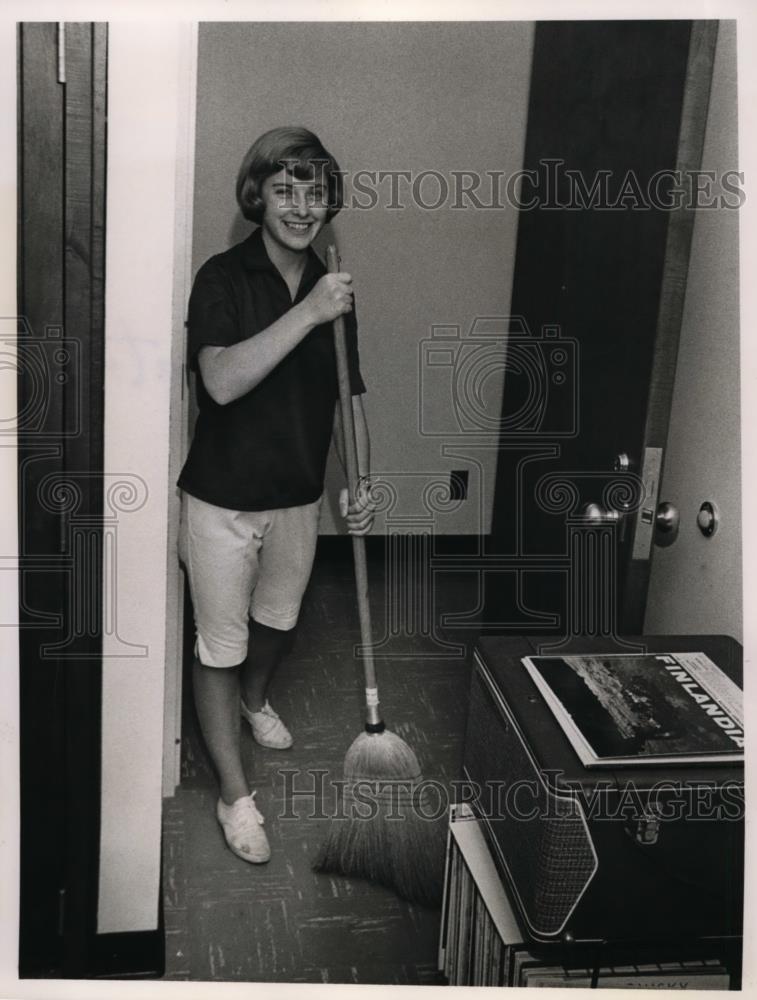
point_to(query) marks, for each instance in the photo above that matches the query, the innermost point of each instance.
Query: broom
(384, 831)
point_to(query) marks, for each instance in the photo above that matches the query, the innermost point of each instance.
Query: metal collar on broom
(395, 845)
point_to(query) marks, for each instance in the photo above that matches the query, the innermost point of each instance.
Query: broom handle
(374, 722)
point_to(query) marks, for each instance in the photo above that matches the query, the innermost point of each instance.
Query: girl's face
(295, 210)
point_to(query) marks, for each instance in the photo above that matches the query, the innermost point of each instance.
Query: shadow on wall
(240, 229)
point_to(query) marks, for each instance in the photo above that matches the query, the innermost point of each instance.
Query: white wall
(386, 96)
(146, 90)
(695, 585)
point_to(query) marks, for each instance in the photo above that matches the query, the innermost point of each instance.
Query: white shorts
(244, 564)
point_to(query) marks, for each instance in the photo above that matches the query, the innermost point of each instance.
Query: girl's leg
(265, 650)
(216, 692)
(285, 562)
(219, 550)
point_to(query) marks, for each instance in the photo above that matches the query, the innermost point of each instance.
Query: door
(695, 583)
(601, 263)
(60, 364)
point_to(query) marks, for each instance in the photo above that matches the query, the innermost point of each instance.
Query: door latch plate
(645, 519)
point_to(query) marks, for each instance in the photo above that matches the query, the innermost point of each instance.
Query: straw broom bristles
(386, 830)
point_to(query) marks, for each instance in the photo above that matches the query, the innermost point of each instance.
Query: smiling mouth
(298, 227)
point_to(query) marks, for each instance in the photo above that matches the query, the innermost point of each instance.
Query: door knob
(667, 518)
(666, 522)
(595, 513)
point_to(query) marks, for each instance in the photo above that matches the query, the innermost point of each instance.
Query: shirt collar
(256, 258)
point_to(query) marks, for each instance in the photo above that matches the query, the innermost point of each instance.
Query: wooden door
(60, 369)
(695, 584)
(597, 297)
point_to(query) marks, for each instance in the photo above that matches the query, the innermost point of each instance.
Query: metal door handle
(597, 514)
(667, 520)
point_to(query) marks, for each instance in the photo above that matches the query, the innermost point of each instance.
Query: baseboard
(131, 955)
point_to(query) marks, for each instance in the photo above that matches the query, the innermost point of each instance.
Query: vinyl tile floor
(280, 922)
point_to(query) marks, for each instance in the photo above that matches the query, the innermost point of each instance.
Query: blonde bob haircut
(301, 153)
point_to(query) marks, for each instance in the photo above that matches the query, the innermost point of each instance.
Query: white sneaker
(243, 828)
(267, 728)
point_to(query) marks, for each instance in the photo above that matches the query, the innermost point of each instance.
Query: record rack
(483, 944)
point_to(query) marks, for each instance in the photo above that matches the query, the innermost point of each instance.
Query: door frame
(144, 161)
(179, 404)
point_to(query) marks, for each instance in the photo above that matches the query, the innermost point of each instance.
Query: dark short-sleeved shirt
(267, 449)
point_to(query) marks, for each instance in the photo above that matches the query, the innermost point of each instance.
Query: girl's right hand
(330, 297)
